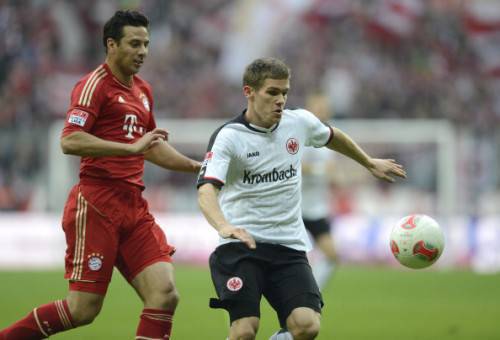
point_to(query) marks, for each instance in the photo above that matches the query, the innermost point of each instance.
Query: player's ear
(111, 44)
(247, 91)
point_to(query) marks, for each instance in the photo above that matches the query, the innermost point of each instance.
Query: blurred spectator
(378, 59)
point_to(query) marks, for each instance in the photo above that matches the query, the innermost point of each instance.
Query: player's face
(267, 103)
(131, 52)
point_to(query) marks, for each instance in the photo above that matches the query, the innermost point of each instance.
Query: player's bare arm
(381, 168)
(84, 144)
(166, 156)
(209, 205)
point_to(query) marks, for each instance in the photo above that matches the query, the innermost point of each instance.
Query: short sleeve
(152, 121)
(217, 159)
(318, 134)
(87, 99)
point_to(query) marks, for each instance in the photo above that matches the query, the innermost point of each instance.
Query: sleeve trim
(330, 137)
(215, 181)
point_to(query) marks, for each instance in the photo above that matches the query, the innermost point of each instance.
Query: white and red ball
(417, 241)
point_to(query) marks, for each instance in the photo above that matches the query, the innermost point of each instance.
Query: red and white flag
(394, 19)
(482, 24)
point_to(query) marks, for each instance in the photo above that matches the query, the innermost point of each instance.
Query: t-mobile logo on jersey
(130, 125)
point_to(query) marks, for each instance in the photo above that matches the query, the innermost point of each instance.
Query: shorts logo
(292, 146)
(234, 284)
(95, 261)
(78, 117)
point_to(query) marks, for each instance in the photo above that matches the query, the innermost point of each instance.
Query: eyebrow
(139, 39)
(278, 88)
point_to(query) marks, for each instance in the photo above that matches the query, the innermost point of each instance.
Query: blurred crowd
(402, 59)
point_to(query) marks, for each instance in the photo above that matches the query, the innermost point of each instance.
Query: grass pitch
(361, 303)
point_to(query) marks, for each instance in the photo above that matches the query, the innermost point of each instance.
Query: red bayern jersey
(104, 107)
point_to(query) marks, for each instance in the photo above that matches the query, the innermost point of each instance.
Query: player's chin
(135, 67)
(276, 117)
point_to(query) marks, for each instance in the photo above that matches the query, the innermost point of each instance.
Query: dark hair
(263, 68)
(114, 26)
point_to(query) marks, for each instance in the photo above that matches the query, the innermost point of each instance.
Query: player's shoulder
(142, 84)
(230, 128)
(94, 77)
(91, 84)
(297, 112)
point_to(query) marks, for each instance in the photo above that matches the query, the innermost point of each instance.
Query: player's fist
(237, 233)
(386, 168)
(149, 140)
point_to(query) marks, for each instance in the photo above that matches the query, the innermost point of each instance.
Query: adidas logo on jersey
(121, 100)
(271, 176)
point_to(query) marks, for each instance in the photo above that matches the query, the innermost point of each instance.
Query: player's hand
(386, 168)
(149, 140)
(238, 233)
(162, 132)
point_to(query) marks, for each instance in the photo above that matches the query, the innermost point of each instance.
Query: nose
(143, 51)
(281, 100)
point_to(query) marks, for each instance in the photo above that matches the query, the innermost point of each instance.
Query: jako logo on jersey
(253, 154)
(234, 284)
(130, 125)
(272, 176)
(292, 146)
(78, 117)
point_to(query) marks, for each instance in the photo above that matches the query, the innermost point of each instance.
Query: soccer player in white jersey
(249, 191)
(317, 174)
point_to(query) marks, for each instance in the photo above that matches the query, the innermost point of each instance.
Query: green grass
(361, 303)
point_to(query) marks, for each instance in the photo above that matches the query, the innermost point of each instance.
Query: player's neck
(252, 118)
(127, 80)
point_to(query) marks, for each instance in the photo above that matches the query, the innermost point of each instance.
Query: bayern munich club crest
(145, 101)
(234, 284)
(95, 261)
(292, 146)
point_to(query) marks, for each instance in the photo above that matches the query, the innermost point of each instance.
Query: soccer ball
(417, 241)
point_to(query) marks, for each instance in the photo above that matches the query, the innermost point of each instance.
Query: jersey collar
(241, 119)
(128, 87)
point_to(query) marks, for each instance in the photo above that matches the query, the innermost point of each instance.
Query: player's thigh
(292, 285)
(317, 227)
(142, 246)
(238, 281)
(92, 241)
(155, 281)
(327, 246)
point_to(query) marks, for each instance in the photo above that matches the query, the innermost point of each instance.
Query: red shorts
(107, 226)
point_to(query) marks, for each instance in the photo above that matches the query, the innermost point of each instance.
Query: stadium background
(414, 80)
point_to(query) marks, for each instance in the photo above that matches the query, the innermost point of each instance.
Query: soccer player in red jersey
(107, 223)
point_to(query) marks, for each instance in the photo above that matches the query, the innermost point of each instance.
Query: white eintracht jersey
(259, 173)
(315, 183)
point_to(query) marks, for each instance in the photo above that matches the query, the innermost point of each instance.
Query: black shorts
(317, 227)
(242, 275)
